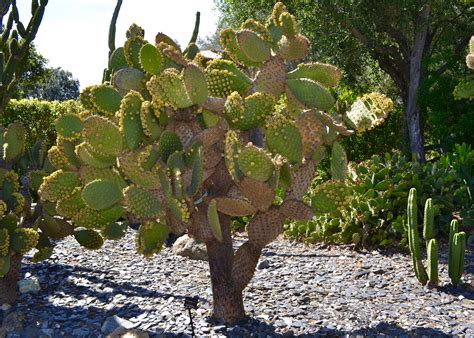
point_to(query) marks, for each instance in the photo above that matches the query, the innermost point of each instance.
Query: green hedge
(37, 116)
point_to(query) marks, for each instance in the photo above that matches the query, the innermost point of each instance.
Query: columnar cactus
(180, 141)
(457, 244)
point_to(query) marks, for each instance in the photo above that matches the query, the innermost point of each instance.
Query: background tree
(15, 41)
(58, 84)
(418, 44)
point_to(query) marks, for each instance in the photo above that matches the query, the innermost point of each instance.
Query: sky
(74, 33)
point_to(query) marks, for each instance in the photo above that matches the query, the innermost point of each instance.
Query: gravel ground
(297, 290)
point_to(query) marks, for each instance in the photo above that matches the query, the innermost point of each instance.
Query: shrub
(374, 208)
(37, 116)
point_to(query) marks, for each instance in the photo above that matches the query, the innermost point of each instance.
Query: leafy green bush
(373, 209)
(37, 116)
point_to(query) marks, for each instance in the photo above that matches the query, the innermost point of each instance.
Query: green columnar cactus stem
(457, 248)
(414, 243)
(428, 221)
(432, 253)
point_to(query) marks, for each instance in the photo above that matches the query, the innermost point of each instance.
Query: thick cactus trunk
(8, 292)
(227, 299)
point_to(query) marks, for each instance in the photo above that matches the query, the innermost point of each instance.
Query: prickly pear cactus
(178, 141)
(21, 227)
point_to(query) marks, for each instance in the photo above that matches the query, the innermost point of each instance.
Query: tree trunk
(8, 289)
(228, 304)
(413, 116)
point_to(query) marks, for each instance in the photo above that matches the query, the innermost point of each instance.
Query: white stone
(29, 285)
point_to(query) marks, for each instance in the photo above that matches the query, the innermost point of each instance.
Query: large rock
(188, 247)
(29, 285)
(128, 333)
(114, 323)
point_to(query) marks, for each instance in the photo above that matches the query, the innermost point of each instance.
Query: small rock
(111, 324)
(264, 264)
(5, 307)
(188, 247)
(29, 285)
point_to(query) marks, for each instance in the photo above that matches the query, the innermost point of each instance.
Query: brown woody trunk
(228, 304)
(8, 292)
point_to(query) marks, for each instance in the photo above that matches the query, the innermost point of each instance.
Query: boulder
(188, 247)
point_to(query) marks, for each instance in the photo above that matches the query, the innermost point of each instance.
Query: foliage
(376, 210)
(57, 85)
(15, 42)
(372, 39)
(38, 117)
(180, 142)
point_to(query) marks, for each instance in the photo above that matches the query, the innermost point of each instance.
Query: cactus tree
(182, 140)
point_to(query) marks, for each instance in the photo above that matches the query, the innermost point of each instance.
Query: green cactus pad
(433, 259)
(326, 74)
(257, 27)
(127, 79)
(89, 174)
(213, 219)
(150, 123)
(228, 40)
(60, 184)
(169, 143)
(178, 209)
(13, 142)
(338, 162)
(131, 167)
(330, 198)
(23, 240)
(68, 149)
(4, 265)
(69, 206)
(198, 172)
(117, 60)
(151, 59)
(249, 113)
(101, 194)
(283, 137)
(69, 126)
(115, 230)
(88, 238)
(4, 242)
(253, 46)
(55, 228)
(293, 49)
(191, 51)
(35, 178)
(97, 219)
(132, 50)
(106, 99)
(130, 123)
(102, 136)
(88, 158)
(288, 24)
(223, 77)
(428, 220)
(142, 203)
(58, 159)
(311, 93)
(231, 154)
(195, 83)
(169, 86)
(42, 254)
(255, 163)
(150, 238)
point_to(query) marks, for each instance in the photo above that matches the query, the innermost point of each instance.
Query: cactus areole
(181, 140)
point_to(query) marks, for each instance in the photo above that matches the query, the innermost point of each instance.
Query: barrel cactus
(181, 140)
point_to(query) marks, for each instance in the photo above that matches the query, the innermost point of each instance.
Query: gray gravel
(297, 290)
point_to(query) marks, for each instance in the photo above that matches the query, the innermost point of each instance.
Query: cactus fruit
(180, 141)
